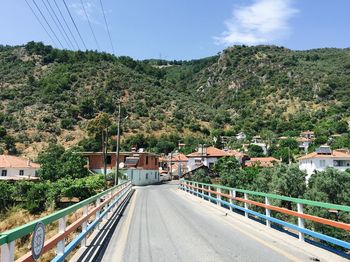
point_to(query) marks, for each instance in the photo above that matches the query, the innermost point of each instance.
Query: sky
(179, 29)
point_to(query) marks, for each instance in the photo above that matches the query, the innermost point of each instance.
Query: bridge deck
(161, 223)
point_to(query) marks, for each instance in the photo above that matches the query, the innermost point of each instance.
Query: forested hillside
(47, 95)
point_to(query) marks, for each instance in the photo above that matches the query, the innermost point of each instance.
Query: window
(155, 175)
(198, 161)
(146, 160)
(146, 175)
(155, 161)
(322, 163)
(3, 172)
(109, 160)
(21, 172)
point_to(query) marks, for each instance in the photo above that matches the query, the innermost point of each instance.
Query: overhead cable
(37, 18)
(69, 42)
(76, 28)
(47, 23)
(65, 21)
(92, 31)
(109, 35)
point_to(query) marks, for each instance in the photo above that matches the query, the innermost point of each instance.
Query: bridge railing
(226, 196)
(92, 211)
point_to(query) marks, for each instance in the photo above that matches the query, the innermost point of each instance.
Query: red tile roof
(215, 152)
(209, 152)
(335, 154)
(262, 161)
(7, 161)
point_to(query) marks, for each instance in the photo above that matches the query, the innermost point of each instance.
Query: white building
(324, 157)
(142, 177)
(304, 143)
(209, 156)
(16, 168)
(241, 136)
(258, 141)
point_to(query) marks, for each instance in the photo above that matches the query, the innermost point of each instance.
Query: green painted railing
(274, 196)
(18, 232)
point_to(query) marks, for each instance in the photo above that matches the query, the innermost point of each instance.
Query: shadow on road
(97, 248)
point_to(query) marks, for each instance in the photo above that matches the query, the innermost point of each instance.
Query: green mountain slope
(48, 94)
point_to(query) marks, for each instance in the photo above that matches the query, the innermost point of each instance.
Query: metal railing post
(84, 226)
(231, 200)
(209, 194)
(8, 252)
(98, 213)
(301, 221)
(267, 212)
(246, 206)
(218, 196)
(61, 229)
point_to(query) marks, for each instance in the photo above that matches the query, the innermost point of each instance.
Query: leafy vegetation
(330, 186)
(49, 94)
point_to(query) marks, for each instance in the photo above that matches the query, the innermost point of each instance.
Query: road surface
(162, 223)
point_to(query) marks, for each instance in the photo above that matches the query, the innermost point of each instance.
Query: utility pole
(171, 168)
(117, 153)
(105, 151)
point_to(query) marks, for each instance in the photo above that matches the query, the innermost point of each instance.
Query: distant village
(148, 168)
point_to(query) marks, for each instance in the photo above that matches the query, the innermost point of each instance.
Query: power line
(53, 32)
(92, 31)
(65, 21)
(76, 28)
(37, 18)
(59, 29)
(59, 22)
(109, 35)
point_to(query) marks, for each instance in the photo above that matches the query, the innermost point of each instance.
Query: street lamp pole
(117, 153)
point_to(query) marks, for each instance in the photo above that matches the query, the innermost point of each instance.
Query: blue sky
(188, 29)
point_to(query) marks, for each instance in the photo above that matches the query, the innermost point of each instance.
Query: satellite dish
(121, 165)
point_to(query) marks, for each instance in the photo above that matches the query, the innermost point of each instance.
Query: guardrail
(97, 207)
(215, 193)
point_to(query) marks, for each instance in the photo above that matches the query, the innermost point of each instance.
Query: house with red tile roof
(325, 157)
(262, 162)
(175, 164)
(208, 156)
(17, 168)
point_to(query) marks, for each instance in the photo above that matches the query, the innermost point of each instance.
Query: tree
(255, 151)
(50, 163)
(288, 180)
(228, 169)
(99, 127)
(330, 186)
(56, 163)
(201, 176)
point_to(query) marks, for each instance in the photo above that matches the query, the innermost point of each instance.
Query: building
(262, 162)
(17, 168)
(324, 157)
(241, 136)
(175, 164)
(202, 168)
(305, 140)
(258, 141)
(141, 167)
(304, 143)
(208, 156)
(308, 134)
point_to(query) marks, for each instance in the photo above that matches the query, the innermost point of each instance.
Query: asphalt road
(163, 224)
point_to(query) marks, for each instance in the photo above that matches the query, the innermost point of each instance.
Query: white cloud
(265, 21)
(90, 8)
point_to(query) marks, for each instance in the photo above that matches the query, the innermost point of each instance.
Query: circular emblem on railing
(38, 240)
